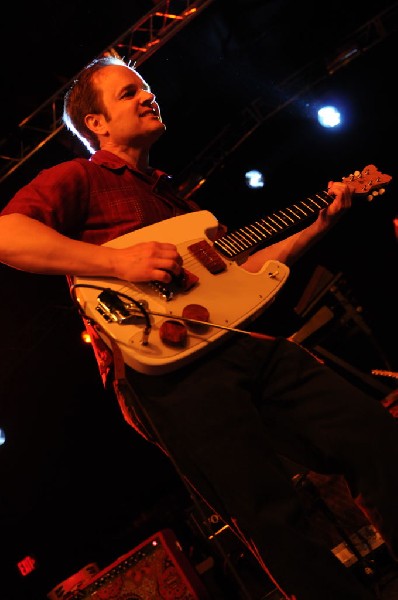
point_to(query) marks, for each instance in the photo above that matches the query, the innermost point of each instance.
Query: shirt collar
(112, 161)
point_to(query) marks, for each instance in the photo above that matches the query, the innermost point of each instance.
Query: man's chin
(159, 129)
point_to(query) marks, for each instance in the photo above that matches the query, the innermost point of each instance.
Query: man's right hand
(147, 261)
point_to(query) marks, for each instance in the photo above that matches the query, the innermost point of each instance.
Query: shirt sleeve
(58, 197)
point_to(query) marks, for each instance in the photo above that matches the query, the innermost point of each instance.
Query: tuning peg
(378, 192)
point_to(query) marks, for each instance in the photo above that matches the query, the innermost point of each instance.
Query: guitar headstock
(368, 182)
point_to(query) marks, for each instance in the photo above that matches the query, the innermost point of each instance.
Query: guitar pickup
(113, 309)
(208, 257)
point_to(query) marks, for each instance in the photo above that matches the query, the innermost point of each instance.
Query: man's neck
(138, 159)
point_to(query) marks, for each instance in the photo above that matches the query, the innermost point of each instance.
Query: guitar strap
(126, 396)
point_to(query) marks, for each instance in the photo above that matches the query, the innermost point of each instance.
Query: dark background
(77, 484)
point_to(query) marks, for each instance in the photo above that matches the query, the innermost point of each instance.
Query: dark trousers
(228, 418)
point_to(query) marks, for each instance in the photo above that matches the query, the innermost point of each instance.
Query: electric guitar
(134, 314)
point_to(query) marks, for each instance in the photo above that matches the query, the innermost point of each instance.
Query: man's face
(133, 116)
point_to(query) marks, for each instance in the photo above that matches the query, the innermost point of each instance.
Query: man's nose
(149, 97)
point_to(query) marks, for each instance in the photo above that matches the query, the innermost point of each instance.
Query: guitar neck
(264, 231)
(368, 183)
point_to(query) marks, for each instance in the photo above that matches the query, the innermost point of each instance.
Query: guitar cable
(145, 313)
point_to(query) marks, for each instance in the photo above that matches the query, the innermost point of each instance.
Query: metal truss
(149, 34)
(136, 45)
(259, 111)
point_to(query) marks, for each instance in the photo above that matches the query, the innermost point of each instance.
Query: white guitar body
(232, 297)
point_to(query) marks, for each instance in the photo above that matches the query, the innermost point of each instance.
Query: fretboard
(264, 231)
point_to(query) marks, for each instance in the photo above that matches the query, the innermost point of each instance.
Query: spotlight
(254, 179)
(329, 116)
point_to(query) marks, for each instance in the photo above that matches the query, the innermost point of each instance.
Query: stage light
(86, 337)
(254, 179)
(329, 116)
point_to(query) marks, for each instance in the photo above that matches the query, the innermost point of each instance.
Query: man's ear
(96, 123)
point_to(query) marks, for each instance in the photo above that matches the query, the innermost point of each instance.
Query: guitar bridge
(113, 309)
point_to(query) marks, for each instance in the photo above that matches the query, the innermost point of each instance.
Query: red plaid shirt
(96, 200)
(99, 199)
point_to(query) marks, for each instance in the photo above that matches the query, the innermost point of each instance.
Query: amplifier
(76, 581)
(156, 569)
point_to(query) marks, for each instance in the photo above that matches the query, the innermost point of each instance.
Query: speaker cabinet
(157, 569)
